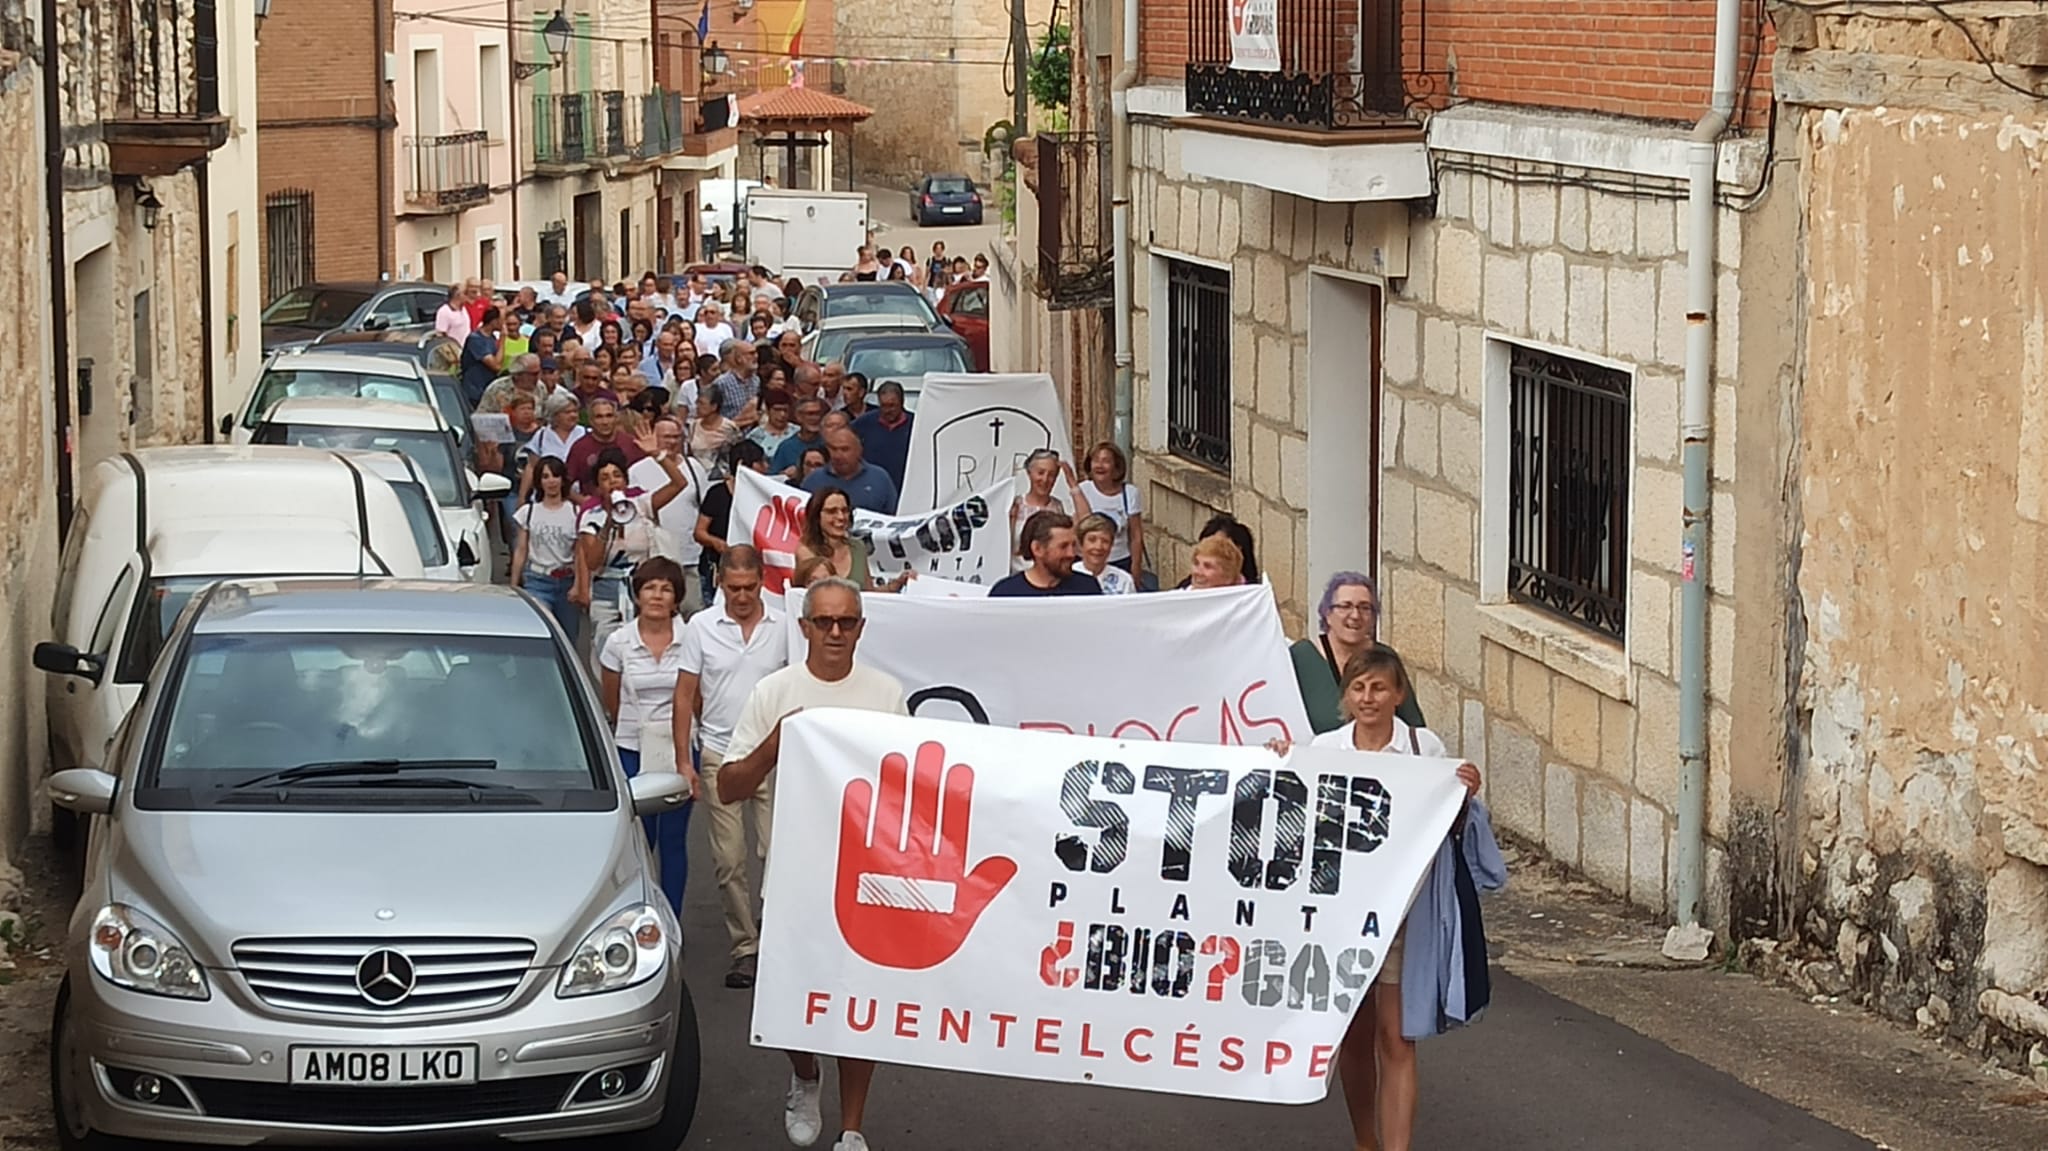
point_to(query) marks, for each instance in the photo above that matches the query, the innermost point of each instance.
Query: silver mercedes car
(364, 868)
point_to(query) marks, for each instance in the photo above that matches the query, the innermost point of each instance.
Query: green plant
(1049, 77)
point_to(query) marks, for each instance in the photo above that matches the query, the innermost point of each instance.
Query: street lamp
(145, 199)
(555, 36)
(715, 60)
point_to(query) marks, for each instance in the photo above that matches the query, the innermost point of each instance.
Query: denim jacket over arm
(1433, 964)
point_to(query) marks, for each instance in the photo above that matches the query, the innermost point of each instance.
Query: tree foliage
(1049, 76)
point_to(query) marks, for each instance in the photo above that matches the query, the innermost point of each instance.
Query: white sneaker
(800, 1110)
(851, 1141)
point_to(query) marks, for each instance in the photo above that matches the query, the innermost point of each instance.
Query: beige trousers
(729, 852)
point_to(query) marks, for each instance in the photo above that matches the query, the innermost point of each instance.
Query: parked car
(906, 357)
(415, 431)
(964, 308)
(821, 302)
(829, 341)
(440, 557)
(439, 355)
(312, 911)
(155, 525)
(946, 199)
(298, 373)
(304, 314)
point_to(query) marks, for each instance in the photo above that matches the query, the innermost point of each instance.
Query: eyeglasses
(1361, 607)
(837, 623)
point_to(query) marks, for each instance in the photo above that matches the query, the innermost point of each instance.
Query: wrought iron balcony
(448, 172)
(662, 126)
(165, 69)
(1328, 64)
(610, 126)
(1073, 220)
(562, 130)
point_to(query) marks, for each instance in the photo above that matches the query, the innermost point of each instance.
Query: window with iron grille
(1568, 488)
(1198, 364)
(288, 241)
(554, 249)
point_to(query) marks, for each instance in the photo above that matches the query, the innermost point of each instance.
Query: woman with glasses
(828, 526)
(1349, 613)
(1042, 469)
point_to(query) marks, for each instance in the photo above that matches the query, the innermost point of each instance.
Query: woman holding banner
(827, 536)
(1433, 976)
(1349, 613)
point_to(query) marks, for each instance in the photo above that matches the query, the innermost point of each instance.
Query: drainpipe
(1120, 221)
(60, 264)
(383, 135)
(512, 36)
(1696, 407)
(208, 373)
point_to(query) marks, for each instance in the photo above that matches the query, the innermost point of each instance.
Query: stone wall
(28, 522)
(1578, 733)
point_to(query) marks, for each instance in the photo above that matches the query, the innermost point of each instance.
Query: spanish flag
(794, 50)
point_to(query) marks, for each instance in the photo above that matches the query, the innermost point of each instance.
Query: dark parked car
(945, 200)
(906, 357)
(865, 298)
(304, 314)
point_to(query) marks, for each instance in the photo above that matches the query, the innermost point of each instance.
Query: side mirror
(83, 790)
(654, 792)
(376, 324)
(227, 425)
(465, 556)
(63, 659)
(490, 485)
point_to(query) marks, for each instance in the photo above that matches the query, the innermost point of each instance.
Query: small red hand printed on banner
(778, 529)
(904, 896)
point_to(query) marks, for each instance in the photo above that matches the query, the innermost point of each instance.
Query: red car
(964, 307)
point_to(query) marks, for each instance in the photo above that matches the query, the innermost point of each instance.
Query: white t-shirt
(633, 542)
(728, 666)
(711, 337)
(546, 443)
(1114, 580)
(550, 535)
(675, 527)
(782, 692)
(1119, 507)
(1426, 742)
(647, 682)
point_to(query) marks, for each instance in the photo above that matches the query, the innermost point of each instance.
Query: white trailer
(809, 235)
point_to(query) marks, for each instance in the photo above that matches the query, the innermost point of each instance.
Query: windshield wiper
(336, 768)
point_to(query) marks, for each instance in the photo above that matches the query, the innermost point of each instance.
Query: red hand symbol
(778, 528)
(905, 898)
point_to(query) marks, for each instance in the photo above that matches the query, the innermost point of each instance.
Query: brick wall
(319, 107)
(1646, 58)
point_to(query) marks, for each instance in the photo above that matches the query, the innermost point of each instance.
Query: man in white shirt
(828, 677)
(726, 651)
(452, 319)
(712, 330)
(675, 525)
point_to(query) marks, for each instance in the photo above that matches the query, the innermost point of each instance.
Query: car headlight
(626, 949)
(129, 949)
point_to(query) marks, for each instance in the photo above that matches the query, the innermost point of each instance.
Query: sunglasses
(837, 623)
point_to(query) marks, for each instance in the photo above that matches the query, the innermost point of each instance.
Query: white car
(157, 525)
(828, 341)
(327, 375)
(439, 555)
(415, 431)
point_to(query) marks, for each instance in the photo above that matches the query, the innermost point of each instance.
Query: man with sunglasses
(827, 677)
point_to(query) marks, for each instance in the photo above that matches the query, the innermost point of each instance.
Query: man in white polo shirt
(725, 652)
(827, 677)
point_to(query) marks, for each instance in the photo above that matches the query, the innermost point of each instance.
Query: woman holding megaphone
(615, 532)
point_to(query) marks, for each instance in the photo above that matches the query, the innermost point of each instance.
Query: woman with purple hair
(1349, 615)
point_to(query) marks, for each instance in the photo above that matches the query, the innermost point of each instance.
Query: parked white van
(415, 431)
(155, 526)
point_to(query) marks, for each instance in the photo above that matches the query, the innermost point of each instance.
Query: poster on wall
(1255, 35)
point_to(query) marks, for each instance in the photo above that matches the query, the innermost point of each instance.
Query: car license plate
(383, 1066)
(956, 208)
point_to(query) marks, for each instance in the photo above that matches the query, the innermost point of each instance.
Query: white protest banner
(972, 430)
(936, 587)
(1169, 917)
(1200, 666)
(1255, 35)
(968, 541)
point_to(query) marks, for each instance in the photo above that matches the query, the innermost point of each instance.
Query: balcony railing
(168, 60)
(1340, 63)
(1073, 220)
(448, 171)
(586, 127)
